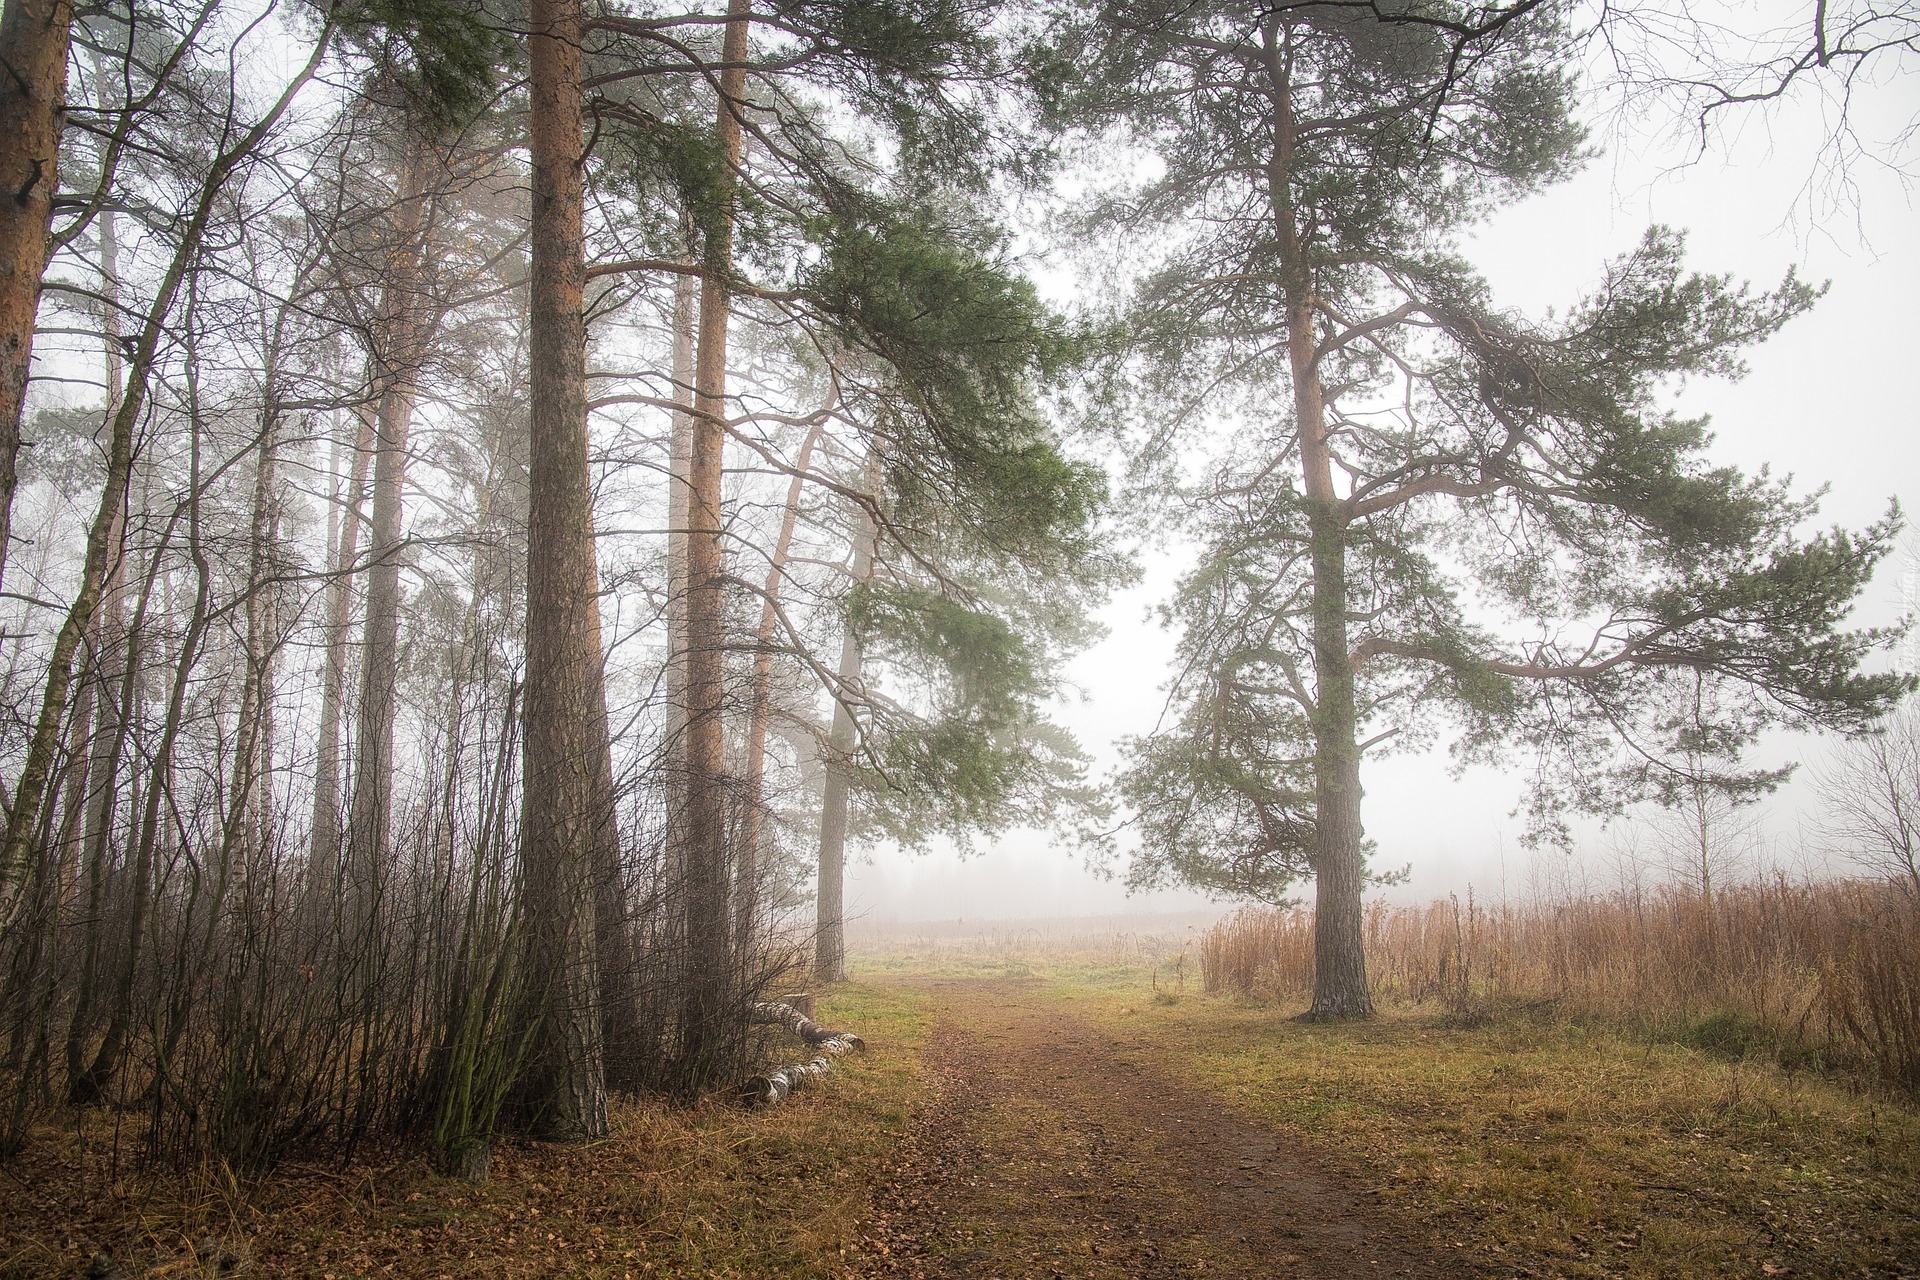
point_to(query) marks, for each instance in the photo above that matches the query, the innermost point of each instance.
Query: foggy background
(1830, 402)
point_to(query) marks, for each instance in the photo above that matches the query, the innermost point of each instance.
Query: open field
(1076, 1106)
(1518, 1142)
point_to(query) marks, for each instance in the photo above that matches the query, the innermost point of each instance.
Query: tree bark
(686, 311)
(324, 849)
(703, 1029)
(399, 347)
(830, 939)
(34, 39)
(747, 873)
(686, 316)
(1339, 863)
(623, 1043)
(563, 1090)
(773, 1088)
(110, 630)
(113, 651)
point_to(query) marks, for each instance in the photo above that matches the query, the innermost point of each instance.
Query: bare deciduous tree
(1870, 787)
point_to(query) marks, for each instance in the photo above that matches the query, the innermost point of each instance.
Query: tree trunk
(830, 939)
(324, 850)
(98, 718)
(109, 635)
(399, 347)
(244, 799)
(113, 651)
(1339, 863)
(771, 1089)
(90, 1087)
(69, 837)
(747, 873)
(623, 1043)
(703, 1030)
(1339, 957)
(686, 311)
(82, 1085)
(563, 1090)
(34, 39)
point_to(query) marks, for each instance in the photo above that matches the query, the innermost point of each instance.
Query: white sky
(1834, 400)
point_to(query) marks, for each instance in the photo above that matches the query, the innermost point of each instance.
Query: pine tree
(1431, 507)
(796, 225)
(563, 802)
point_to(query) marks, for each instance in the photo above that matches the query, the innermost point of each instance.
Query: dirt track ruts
(1056, 1148)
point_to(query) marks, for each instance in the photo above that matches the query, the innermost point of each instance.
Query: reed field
(1823, 975)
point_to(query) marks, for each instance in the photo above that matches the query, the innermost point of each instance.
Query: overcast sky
(1832, 401)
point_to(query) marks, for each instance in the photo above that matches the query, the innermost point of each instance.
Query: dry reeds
(1820, 974)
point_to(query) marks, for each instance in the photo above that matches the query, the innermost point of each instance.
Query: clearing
(1099, 1120)
(1056, 1148)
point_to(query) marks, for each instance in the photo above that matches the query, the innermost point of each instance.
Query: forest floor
(1088, 1118)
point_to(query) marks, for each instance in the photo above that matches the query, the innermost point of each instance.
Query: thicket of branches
(277, 871)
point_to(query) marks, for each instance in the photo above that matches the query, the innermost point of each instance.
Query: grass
(1553, 1149)
(1531, 1144)
(710, 1191)
(1824, 973)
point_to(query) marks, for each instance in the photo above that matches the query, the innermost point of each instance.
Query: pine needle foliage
(1427, 512)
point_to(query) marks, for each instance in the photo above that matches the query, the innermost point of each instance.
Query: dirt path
(1058, 1149)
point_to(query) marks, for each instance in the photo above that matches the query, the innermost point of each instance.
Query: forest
(500, 500)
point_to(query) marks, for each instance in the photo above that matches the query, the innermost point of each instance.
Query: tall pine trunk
(1339, 862)
(686, 314)
(324, 849)
(686, 318)
(563, 1089)
(746, 880)
(703, 1030)
(34, 40)
(399, 348)
(830, 938)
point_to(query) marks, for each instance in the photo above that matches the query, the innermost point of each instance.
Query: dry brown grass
(1818, 974)
(1040, 947)
(709, 1191)
(1541, 1147)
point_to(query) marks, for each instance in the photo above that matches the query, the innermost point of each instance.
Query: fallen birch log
(771, 1089)
(785, 1015)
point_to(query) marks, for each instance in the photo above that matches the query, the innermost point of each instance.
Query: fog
(1830, 402)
